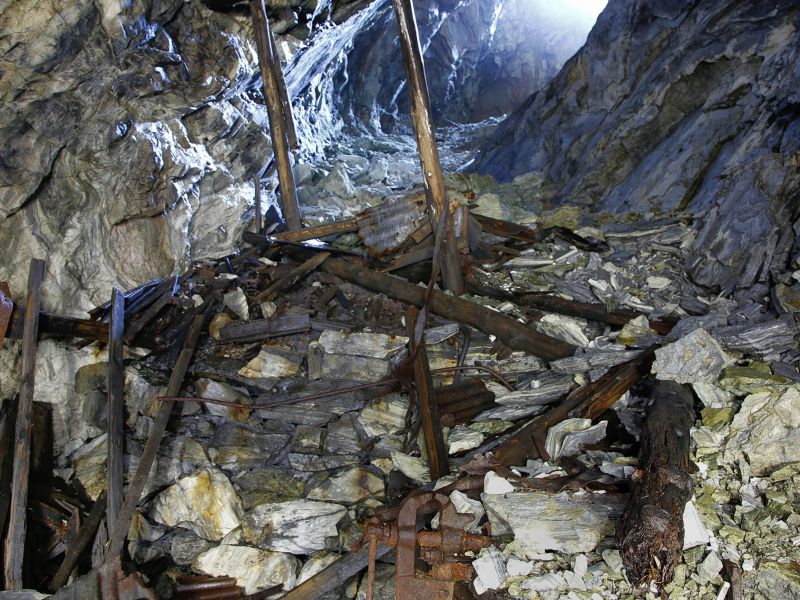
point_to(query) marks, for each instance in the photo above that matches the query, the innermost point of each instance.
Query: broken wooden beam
(136, 487)
(262, 329)
(318, 231)
(73, 552)
(588, 402)
(277, 122)
(115, 387)
(508, 229)
(459, 402)
(139, 323)
(14, 550)
(651, 538)
(426, 400)
(292, 277)
(286, 104)
(59, 326)
(426, 142)
(511, 332)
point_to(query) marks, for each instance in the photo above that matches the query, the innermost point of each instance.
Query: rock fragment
(252, 568)
(695, 358)
(296, 526)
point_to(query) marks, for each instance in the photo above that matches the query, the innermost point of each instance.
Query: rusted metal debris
(200, 587)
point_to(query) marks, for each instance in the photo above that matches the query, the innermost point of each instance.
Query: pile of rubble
(303, 426)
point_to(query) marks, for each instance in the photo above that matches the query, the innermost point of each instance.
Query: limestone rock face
(661, 110)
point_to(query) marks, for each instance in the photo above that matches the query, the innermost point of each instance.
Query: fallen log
(651, 539)
(318, 231)
(59, 326)
(588, 402)
(262, 329)
(512, 333)
(292, 277)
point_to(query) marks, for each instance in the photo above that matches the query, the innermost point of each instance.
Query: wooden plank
(426, 401)
(15, 539)
(262, 329)
(277, 122)
(120, 531)
(292, 277)
(335, 574)
(318, 231)
(152, 311)
(59, 326)
(115, 386)
(286, 104)
(511, 332)
(426, 141)
(75, 550)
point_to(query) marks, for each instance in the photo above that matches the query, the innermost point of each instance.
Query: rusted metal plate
(386, 227)
(6, 308)
(206, 588)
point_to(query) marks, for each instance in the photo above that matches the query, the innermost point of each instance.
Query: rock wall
(675, 105)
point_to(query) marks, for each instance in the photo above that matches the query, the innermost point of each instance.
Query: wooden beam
(116, 390)
(74, 551)
(59, 326)
(292, 277)
(318, 231)
(15, 539)
(286, 104)
(426, 401)
(511, 332)
(426, 141)
(277, 122)
(262, 329)
(136, 487)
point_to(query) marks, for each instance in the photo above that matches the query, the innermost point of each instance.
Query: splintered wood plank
(74, 551)
(262, 329)
(15, 538)
(292, 277)
(115, 387)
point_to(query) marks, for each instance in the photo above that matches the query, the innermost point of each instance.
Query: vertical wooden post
(426, 141)
(426, 401)
(288, 116)
(115, 386)
(135, 489)
(257, 185)
(15, 539)
(277, 121)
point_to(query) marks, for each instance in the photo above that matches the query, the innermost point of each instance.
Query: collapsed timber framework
(422, 237)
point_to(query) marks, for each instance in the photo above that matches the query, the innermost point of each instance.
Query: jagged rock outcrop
(676, 105)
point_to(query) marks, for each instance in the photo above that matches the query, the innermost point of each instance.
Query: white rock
(237, 302)
(574, 581)
(694, 532)
(252, 568)
(215, 390)
(268, 309)
(580, 565)
(712, 396)
(272, 362)
(613, 559)
(564, 522)
(349, 487)
(658, 283)
(205, 503)
(709, 568)
(696, 357)
(544, 583)
(296, 526)
(518, 568)
(564, 328)
(374, 345)
(467, 506)
(490, 567)
(494, 484)
(568, 437)
(315, 564)
(412, 467)
(461, 438)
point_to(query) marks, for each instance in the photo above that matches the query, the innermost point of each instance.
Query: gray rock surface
(663, 110)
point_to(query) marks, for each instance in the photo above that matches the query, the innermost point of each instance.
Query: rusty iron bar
(15, 538)
(136, 487)
(74, 551)
(512, 333)
(278, 126)
(426, 142)
(588, 402)
(206, 588)
(115, 386)
(426, 401)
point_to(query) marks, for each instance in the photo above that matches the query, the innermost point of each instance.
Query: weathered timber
(426, 401)
(426, 142)
(562, 306)
(74, 551)
(415, 255)
(278, 128)
(148, 315)
(508, 229)
(59, 326)
(262, 329)
(6, 308)
(318, 231)
(120, 531)
(133, 298)
(335, 574)
(512, 333)
(459, 402)
(292, 277)
(115, 387)
(286, 104)
(651, 538)
(15, 538)
(588, 402)
(257, 188)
